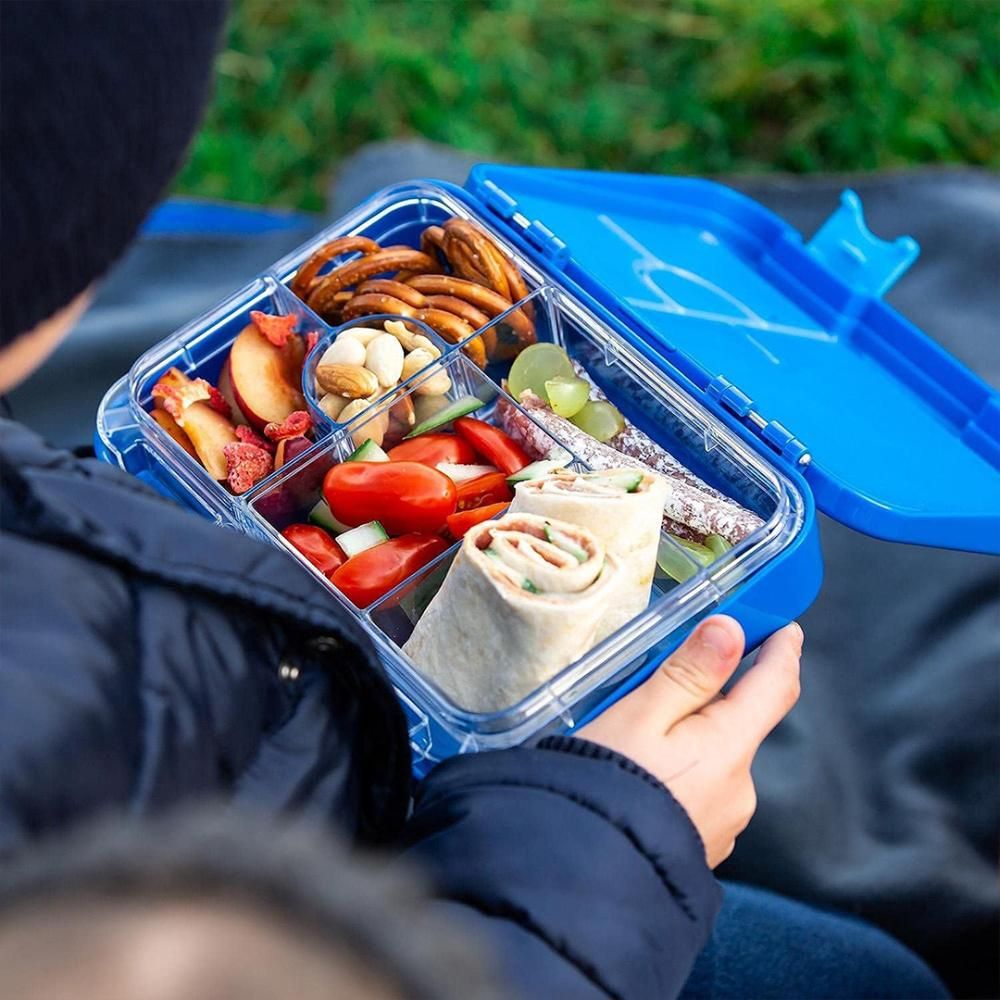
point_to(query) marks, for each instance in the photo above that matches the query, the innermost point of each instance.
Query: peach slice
(265, 378)
(209, 432)
(229, 395)
(173, 428)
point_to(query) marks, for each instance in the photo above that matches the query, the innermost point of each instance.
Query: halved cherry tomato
(430, 449)
(489, 489)
(459, 523)
(403, 496)
(371, 574)
(316, 545)
(497, 448)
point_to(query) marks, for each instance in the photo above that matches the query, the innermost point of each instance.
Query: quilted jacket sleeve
(579, 866)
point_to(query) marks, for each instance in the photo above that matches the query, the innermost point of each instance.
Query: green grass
(691, 86)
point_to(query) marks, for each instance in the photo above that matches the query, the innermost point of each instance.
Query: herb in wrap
(623, 508)
(525, 597)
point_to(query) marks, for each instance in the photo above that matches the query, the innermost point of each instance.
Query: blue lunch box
(769, 366)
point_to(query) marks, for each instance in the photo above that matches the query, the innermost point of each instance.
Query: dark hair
(378, 912)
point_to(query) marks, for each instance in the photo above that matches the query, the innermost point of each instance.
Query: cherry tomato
(496, 447)
(403, 496)
(430, 449)
(316, 545)
(371, 574)
(489, 489)
(459, 523)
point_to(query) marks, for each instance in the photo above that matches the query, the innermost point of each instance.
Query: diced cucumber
(365, 536)
(368, 452)
(626, 479)
(700, 553)
(717, 544)
(460, 408)
(461, 473)
(526, 584)
(564, 542)
(538, 469)
(322, 517)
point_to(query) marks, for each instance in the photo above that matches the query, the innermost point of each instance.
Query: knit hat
(98, 101)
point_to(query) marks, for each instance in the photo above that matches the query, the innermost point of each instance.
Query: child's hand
(701, 743)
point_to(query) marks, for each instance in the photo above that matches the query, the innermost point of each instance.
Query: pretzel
(394, 287)
(320, 298)
(483, 298)
(475, 255)
(307, 272)
(468, 312)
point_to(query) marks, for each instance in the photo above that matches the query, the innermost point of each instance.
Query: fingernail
(717, 638)
(800, 635)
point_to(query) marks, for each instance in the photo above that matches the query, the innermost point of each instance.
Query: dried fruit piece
(176, 392)
(217, 401)
(246, 466)
(277, 329)
(312, 339)
(295, 425)
(248, 435)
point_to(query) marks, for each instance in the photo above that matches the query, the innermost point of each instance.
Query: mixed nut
(365, 363)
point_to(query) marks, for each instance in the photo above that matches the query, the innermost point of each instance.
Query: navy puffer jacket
(148, 656)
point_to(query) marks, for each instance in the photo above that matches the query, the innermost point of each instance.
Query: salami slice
(689, 511)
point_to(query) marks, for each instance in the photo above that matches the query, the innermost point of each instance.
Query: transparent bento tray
(642, 391)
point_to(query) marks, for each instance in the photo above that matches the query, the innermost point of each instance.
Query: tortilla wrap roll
(622, 508)
(524, 598)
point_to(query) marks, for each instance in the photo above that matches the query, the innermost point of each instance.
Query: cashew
(384, 359)
(344, 351)
(333, 405)
(363, 334)
(374, 428)
(416, 360)
(437, 385)
(409, 340)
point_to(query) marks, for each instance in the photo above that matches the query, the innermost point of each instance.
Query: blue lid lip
(846, 246)
(791, 338)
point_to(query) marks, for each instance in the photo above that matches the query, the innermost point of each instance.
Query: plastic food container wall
(692, 308)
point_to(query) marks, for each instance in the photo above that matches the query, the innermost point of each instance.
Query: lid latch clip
(848, 248)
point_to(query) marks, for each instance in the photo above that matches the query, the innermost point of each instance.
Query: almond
(352, 381)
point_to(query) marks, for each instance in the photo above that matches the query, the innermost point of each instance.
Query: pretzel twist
(305, 275)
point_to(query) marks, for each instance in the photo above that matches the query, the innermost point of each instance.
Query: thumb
(693, 675)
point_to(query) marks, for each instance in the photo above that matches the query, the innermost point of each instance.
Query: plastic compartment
(644, 393)
(651, 402)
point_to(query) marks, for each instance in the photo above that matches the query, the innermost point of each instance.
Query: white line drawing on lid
(646, 264)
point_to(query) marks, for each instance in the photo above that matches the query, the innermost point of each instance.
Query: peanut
(352, 381)
(409, 340)
(416, 360)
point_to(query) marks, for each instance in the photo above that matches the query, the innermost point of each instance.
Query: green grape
(600, 420)
(717, 544)
(567, 395)
(534, 366)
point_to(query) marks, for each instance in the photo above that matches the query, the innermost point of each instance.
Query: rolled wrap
(485, 639)
(626, 523)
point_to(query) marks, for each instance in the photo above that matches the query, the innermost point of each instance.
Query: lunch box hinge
(543, 239)
(733, 399)
(741, 405)
(497, 200)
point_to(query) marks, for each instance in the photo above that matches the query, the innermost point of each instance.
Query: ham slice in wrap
(524, 598)
(622, 508)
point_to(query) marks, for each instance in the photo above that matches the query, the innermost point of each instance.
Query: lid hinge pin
(497, 200)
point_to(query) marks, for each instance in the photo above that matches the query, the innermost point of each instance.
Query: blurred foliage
(687, 86)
